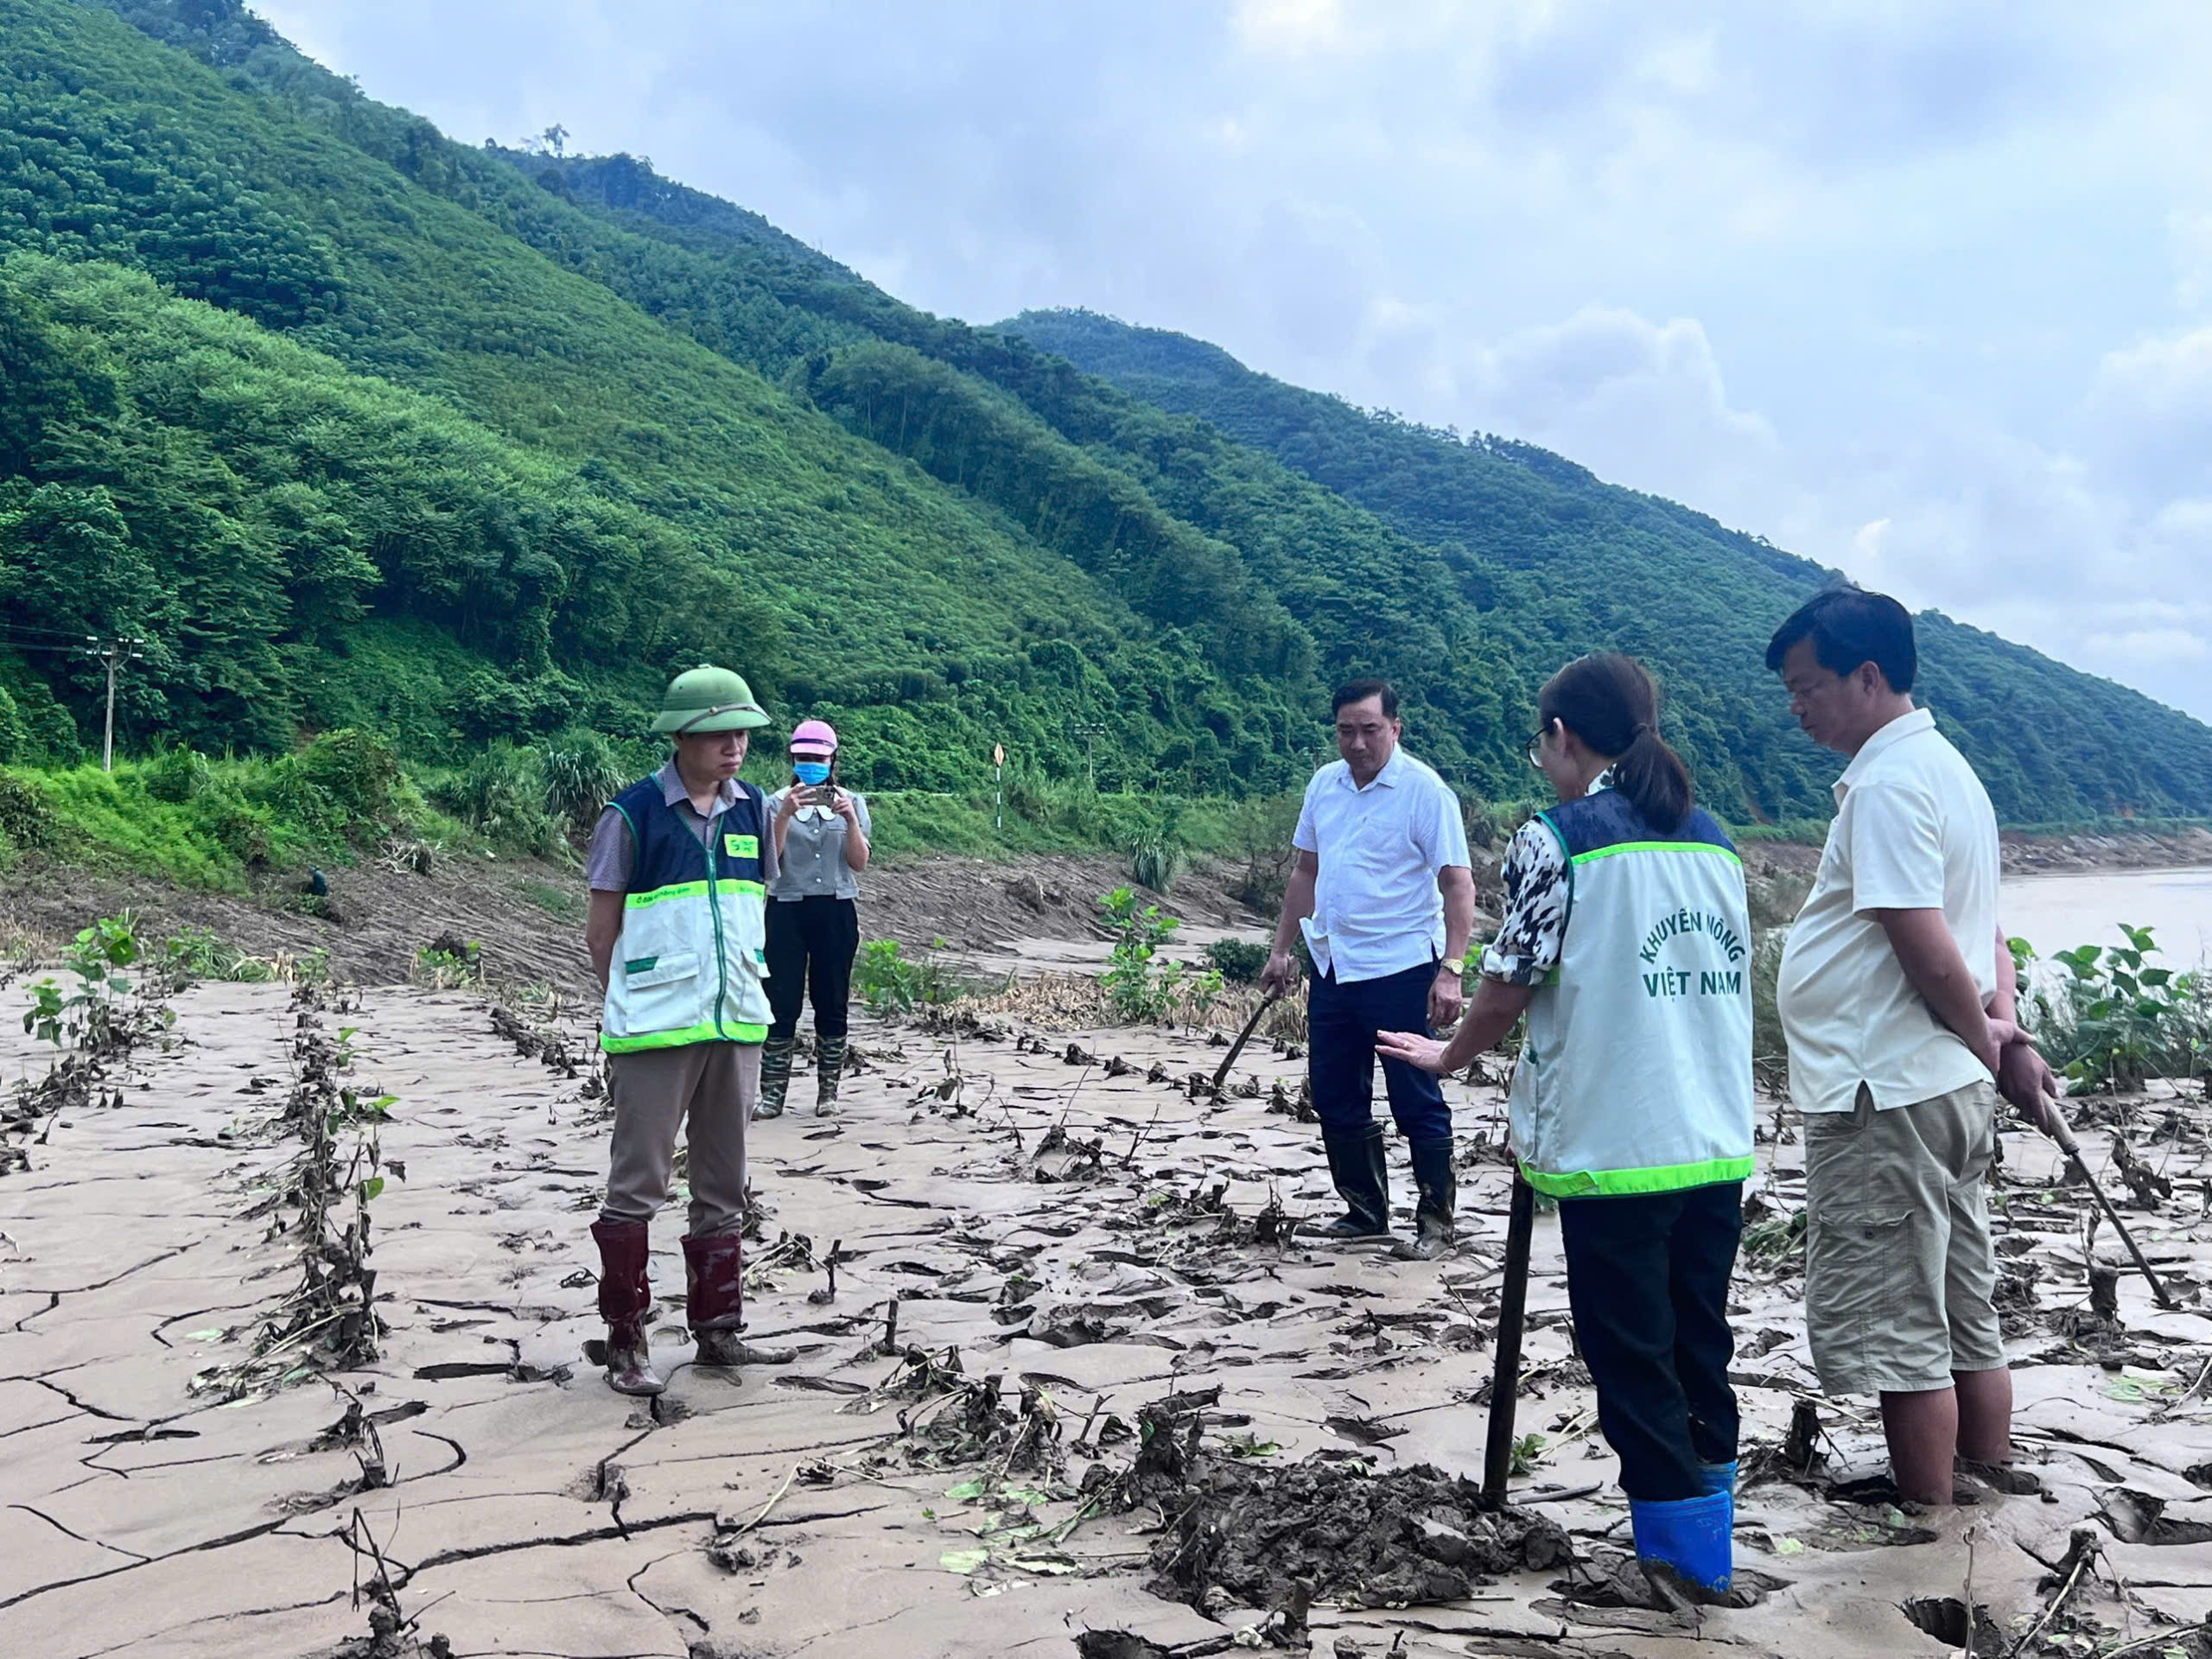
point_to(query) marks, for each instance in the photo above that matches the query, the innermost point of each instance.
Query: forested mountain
(462, 440)
(1697, 600)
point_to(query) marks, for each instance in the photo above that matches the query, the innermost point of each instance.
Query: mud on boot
(1435, 1228)
(775, 1075)
(625, 1297)
(828, 1070)
(1686, 1548)
(713, 1270)
(728, 1350)
(1362, 1180)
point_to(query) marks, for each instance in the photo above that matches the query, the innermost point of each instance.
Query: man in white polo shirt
(1384, 894)
(1896, 997)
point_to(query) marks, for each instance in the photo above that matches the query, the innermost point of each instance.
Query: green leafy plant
(448, 961)
(891, 982)
(2115, 1018)
(85, 1015)
(1140, 990)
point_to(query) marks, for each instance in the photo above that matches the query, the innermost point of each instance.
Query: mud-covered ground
(1123, 1403)
(528, 916)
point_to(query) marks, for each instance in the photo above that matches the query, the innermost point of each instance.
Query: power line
(43, 644)
(33, 627)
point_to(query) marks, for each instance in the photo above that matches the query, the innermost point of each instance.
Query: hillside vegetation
(360, 427)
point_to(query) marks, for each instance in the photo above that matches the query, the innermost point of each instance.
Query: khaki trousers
(713, 1086)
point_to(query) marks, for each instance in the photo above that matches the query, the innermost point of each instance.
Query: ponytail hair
(1608, 700)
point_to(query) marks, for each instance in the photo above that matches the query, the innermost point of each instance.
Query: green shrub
(1240, 961)
(500, 795)
(193, 953)
(245, 830)
(890, 981)
(88, 1015)
(25, 810)
(1155, 860)
(581, 777)
(175, 775)
(2116, 1017)
(1261, 837)
(491, 707)
(1139, 990)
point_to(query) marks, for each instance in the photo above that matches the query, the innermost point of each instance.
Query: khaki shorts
(1899, 1268)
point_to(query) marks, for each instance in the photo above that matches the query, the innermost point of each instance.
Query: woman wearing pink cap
(814, 924)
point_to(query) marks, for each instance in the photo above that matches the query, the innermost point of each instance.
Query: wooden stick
(1221, 1072)
(1505, 1375)
(2072, 1148)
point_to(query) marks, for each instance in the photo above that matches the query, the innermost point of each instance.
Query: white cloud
(1916, 288)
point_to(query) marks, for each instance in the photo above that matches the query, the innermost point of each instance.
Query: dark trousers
(1341, 1023)
(1647, 1277)
(811, 944)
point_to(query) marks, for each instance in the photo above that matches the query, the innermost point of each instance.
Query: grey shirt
(813, 865)
(614, 855)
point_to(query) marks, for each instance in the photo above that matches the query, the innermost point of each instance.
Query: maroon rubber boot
(714, 1274)
(625, 1295)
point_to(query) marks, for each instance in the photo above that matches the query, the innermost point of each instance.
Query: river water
(2058, 911)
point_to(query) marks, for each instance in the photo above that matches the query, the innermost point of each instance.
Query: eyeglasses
(1536, 744)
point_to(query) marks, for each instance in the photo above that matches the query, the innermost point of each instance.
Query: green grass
(913, 823)
(235, 816)
(546, 896)
(208, 823)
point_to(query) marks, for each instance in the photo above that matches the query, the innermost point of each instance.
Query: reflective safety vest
(1636, 1072)
(690, 963)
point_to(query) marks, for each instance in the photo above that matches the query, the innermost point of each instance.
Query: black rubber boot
(1438, 1186)
(1362, 1179)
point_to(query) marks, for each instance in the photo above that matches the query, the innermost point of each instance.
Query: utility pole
(1088, 732)
(114, 653)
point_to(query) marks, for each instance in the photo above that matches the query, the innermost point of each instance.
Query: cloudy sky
(1920, 290)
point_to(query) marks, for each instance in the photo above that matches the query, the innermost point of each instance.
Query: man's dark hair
(1849, 627)
(1360, 691)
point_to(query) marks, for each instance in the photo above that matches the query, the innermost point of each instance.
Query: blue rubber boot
(1687, 1540)
(1717, 1477)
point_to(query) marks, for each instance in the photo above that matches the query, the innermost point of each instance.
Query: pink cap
(817, 736)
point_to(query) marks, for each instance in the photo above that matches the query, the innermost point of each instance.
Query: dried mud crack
(1069, 1369)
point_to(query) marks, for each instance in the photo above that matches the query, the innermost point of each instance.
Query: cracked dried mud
(974, 1452)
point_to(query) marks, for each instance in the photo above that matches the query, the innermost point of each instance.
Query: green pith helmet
(709, 700)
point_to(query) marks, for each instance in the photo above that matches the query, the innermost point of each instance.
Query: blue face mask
(811, 773)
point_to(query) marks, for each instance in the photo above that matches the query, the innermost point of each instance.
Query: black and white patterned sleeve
(1537, 886)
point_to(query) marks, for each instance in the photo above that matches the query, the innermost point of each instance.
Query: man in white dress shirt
(1383, 893)
(1896, 1002)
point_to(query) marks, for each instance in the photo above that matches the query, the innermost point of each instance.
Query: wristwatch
(1452, 966)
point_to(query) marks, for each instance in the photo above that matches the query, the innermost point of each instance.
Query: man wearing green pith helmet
(679, 870)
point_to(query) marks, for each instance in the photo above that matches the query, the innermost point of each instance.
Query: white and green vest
(690, 965)
(1635, 1071)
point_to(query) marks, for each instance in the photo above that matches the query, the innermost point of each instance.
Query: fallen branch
(773, 1499)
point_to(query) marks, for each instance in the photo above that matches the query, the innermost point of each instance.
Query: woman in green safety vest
(1627, 942)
